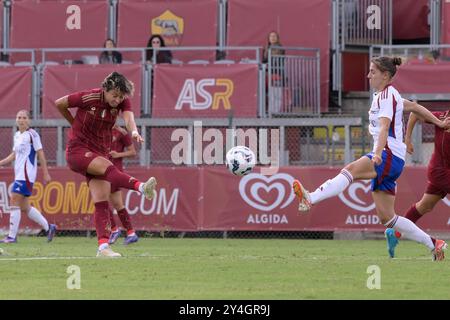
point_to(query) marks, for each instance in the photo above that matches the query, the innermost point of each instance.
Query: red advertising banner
(445, 26)
(192, 199)
(422, 77)
(61, 80)
(66, 200)
(58, 24)
(15, 90)
(257, 202)
(215, 91)
(181, 23)
(416, 26)
(300, 23)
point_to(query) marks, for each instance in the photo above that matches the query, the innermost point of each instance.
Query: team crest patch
(114, 111)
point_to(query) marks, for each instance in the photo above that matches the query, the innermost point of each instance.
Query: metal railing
(294, 141)
(294, 81)
(364, 22)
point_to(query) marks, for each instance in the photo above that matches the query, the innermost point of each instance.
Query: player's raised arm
(422, 113)
(128, 116)
(63, 107)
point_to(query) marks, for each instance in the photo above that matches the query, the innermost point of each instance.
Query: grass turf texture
(172, 268)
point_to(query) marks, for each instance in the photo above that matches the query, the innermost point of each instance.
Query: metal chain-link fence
(301, 142)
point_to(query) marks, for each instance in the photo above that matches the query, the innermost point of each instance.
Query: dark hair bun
(397, 61)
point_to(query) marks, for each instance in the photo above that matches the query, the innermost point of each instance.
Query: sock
(409, 230)
(103, 246)
(332, 187)
(111, 220)
(102, 223)
(125, 219)
(37, 217)
(14, 222)
(121, 179)
(413, 214)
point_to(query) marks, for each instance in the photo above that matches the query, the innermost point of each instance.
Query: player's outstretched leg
(392, 241)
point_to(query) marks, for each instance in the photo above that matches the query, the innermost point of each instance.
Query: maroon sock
(125, 219)
(102, 223)
(413, 214)
(111, 219)
(121, 179)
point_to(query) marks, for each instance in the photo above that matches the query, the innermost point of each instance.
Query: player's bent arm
(128, 117)
(129, 152)
(43, 162)
(413, 118)
(382, 137)
(62, 104)
(422, 113)
(10, 158)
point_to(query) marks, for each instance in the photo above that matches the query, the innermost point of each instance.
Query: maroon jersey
(92, 126)
(441, 154)
(120, 140)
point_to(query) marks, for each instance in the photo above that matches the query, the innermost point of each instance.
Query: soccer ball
(240, 160)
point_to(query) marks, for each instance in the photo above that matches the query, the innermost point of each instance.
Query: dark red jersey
(94, 120)
(441, 154)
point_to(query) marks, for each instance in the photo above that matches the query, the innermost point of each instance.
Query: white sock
(14, 222)
(332, 187)
(103, 246)
(141, 187)
(37, 217)
(410, 231)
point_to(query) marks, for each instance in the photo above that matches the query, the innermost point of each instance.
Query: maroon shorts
(79, 157)
(438, 181)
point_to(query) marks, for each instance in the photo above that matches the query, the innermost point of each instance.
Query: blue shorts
(387, 172)
(22, 187)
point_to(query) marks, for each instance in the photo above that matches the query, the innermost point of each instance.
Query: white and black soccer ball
(240, 160)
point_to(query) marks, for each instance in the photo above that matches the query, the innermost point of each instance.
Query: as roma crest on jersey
(113, 111)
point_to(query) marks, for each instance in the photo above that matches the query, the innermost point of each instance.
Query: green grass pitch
(189, 268)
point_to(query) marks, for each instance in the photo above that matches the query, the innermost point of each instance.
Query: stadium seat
(198, 62)
(90, 59)
(224, 62)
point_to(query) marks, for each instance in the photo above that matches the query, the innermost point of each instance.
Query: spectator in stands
(156, 41)
(89, 146)
(110, 56)
(27, 149)
(273, 40)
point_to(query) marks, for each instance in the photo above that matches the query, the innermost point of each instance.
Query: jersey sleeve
(35, 140)
(76, 101)
(126, 105)
(386, 104)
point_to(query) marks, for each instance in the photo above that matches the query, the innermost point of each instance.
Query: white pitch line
(78, 258)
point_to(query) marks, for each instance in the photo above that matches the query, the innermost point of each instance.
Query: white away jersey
(388, 104)
(26, 145)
